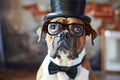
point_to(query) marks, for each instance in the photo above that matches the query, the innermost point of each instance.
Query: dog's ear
(39, 33)
(42, 29)
(90, 31)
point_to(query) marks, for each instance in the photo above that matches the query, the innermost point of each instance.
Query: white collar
(71, 62)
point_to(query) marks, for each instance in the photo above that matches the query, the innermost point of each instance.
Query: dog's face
(65, 35)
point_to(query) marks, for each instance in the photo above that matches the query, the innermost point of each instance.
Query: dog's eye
(77, 30)
(54, 28)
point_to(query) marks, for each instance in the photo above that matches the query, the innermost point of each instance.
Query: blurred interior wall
(21, 48)
(4, 10)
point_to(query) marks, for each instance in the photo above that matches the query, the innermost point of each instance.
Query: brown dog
(66, 49)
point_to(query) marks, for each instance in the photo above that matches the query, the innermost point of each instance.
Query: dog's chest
(82, 73)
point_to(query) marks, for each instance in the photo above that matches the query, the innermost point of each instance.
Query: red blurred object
(106, 12)
(35, 10)
(103, 11)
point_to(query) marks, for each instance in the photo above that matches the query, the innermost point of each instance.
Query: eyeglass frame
(64, 26)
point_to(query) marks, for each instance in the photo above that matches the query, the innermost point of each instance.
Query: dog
(66, 49)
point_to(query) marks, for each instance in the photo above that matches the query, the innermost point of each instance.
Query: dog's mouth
(64, 49)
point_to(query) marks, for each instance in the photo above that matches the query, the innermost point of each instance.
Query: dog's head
(66, 35)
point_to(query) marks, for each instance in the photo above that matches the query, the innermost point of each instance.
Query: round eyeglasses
(54, 28)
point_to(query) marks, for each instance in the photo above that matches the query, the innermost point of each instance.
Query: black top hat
(68, 8)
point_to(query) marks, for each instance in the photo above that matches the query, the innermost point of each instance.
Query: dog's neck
(64, 61)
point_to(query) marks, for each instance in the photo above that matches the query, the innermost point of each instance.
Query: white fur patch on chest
(83, 74)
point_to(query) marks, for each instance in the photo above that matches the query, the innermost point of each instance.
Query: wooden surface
(27, 74)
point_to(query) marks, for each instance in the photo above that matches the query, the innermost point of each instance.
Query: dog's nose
(65, 35)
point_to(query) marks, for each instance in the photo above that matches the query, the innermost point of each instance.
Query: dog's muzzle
(66, 43)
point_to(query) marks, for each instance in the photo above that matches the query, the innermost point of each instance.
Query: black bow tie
(70, 71)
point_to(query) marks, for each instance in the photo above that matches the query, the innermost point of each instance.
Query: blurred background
(21, 54)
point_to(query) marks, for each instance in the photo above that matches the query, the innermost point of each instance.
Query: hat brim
(53, 15)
